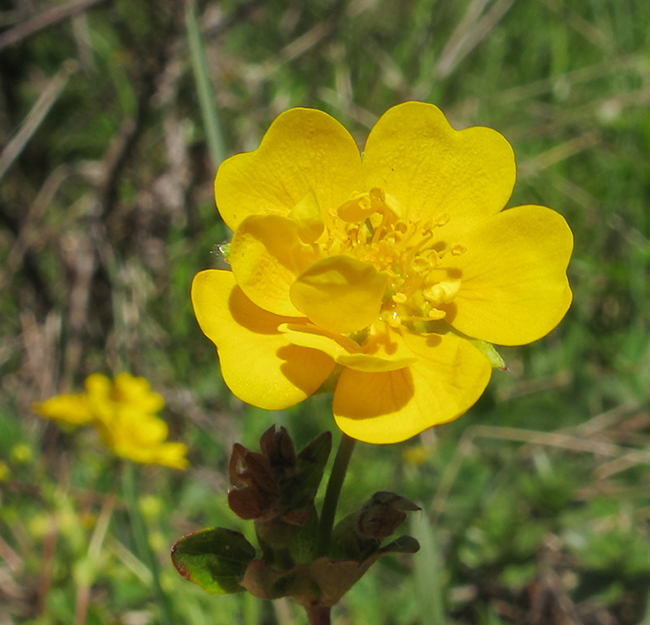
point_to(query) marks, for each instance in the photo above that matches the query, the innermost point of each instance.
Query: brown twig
(44, 20)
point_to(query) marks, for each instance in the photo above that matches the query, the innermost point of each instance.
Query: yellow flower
(396, 269)
(124, 413)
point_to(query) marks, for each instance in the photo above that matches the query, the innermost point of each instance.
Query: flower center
(410, 252)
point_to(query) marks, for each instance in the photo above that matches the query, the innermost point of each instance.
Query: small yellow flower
(22, 454)
(395, 272)
(416, 455)
(124, 412)
(5, 471)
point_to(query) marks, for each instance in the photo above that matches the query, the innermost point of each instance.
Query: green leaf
(215, 559)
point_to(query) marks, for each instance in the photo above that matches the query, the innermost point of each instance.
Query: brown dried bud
(256, 493)
(277, 483)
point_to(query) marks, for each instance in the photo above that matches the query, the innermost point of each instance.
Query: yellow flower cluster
(124, 413)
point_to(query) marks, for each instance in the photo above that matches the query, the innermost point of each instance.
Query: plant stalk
(141, 542)
(318, 615)
(343, 454)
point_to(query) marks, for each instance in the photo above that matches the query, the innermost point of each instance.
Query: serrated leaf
(215, 559)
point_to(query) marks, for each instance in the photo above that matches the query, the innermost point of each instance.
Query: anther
(365, 204)
(392, 319)
(442, 293)
(441, 220)
(377, 195)
(435, 314)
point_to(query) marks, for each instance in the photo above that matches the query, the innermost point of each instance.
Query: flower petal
(137, 393)
(433, 170)
(385, 351)
(304, 150)
(68, 409)
(309, 218)
(450, 375)
(266, 256)
(258, 364)
(340, 293)
(514, 288)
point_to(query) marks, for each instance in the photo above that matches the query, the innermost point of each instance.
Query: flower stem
(141, 542)
(318, 615)
(346, 446)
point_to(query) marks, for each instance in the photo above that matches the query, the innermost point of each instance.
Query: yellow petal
(171, 455)
(266, 256)
(68, 409)
(340, 293)
(258, 364)
(514, 288)
(98, 386)
(433, 170)
(140, 437)
(308, 217)
(390, 407)
(303, 151)
(136, 392)
(384, 351)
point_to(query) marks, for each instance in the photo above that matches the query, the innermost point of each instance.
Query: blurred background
(114, 116)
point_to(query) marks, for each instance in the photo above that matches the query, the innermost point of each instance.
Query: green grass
(107, 213)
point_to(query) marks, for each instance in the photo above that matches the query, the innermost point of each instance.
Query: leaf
(404, 544)
(311, 464)
(215, 559)
(358, 536)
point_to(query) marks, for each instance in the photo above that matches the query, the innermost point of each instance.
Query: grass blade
(36, 116)
(428, 583)
(204, 86)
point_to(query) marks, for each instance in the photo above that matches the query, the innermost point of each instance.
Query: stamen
(373, 230)
(435, 314)
(391, 318)
(441, 220)
(442, 293)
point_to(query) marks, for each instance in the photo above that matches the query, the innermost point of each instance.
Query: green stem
(346, 446)
(141, 542)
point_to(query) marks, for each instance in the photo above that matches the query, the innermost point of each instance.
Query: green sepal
(490, 352)
(215, 559)
(223, 250)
